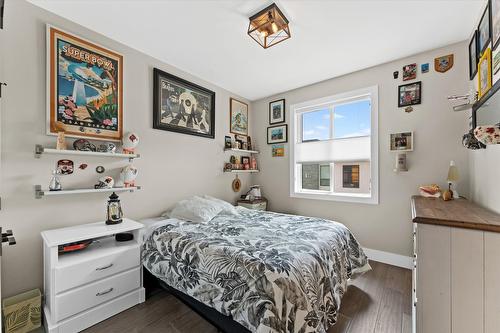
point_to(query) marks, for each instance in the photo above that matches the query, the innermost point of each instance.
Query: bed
(268, 272)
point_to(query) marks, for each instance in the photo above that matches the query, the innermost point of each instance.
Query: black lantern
(115, 213)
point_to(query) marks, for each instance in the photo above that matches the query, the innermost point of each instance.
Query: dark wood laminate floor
(376, 302)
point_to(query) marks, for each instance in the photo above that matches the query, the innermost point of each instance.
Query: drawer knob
(104, 267)
(104, 292)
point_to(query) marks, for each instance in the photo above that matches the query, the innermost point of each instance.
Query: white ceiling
(329, 38)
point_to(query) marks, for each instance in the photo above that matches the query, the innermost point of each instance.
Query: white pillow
(195, 209)
(225, 206)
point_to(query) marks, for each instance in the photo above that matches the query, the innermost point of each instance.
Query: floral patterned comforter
(271, 272)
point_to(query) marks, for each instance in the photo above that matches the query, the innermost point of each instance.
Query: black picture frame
(486, 16)
(209, 95)
(283, 111)
(414, 101)
(285, 140)
(473, 58)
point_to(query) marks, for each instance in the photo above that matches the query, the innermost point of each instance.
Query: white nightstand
(87, 286)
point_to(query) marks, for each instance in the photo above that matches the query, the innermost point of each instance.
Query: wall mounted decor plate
(484, 30)
(277, 112)
(410, 94)
(85, 88)
(238, 117)
(484, 70)
(444, 63)
(181, 106)
(277, 134)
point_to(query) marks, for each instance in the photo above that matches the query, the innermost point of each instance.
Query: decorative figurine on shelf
(83, 145)
(107, 148)
(105, 182)
(114, 210)
(130, 141)
(61, 141)
(127, 176)
(55, 183)
(430, 191)
(228, 167)
(253, 163)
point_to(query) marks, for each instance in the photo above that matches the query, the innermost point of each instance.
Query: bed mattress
(270, 272)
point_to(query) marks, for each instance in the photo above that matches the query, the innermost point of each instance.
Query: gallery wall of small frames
(410, 93)
(484, 53)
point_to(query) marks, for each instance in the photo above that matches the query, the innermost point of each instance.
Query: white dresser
(456, 274)
(87, 286)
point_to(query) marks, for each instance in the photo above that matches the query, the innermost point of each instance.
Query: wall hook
(2, 84)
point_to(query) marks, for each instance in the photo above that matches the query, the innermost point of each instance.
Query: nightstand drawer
(78, 300)
(97, 262)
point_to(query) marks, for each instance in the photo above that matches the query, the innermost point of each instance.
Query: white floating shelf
(242, 171)
(39, 193)
(242, 150)
(39, 150)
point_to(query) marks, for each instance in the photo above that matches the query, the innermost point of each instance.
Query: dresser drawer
(101, 261)
(78, 300)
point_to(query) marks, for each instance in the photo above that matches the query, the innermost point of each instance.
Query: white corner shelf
(39, 150)
(242, 171)
(39, 193)
(242, 150)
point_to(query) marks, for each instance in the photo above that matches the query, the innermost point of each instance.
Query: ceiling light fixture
(269, 26)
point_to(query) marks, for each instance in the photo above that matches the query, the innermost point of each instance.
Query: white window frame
(296, 136)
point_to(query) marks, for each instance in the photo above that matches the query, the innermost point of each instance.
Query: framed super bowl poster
(181, 106)
(85, 88)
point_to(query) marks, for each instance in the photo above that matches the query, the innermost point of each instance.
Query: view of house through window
(332, 150)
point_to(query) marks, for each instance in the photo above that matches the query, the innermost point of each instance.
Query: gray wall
(437, 129)
(173, 165)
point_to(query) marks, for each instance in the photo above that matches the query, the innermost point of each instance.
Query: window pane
(350, 176)
(316, 125)
(352, 119)
(310, 176)
(324, 176)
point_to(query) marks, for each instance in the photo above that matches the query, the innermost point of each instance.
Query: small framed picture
(424, 68)
(409, 94)
(245, 160)
(484, 30)
(227, 142)
(278, 150)
(473, 56)
(277, 112)
(277, 134)
(401, 141)
(484, 70)
(495, 22)
(409, 72)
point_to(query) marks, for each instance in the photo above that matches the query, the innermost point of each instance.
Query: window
(350, 177)
(334, 147)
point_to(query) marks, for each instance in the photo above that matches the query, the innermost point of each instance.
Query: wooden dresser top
(458, 213)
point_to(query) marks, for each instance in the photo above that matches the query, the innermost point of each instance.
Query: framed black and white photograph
(473, 56)
(495, 22)
(401, 141)
(277, 112)
(277, 134)
(410, 94)
(484, 30)
(181, 106)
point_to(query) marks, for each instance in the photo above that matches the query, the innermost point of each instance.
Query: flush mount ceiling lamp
(269, 26)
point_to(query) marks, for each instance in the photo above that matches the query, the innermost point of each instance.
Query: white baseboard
(389, 258)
